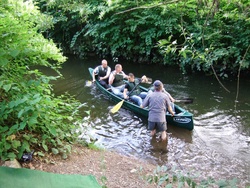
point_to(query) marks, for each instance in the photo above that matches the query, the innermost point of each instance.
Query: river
(219, 145)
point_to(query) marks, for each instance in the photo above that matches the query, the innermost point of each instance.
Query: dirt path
(110, 168)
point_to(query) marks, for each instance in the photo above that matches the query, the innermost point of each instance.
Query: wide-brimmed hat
(157, 83)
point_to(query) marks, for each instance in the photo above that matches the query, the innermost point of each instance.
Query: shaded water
(219, 145)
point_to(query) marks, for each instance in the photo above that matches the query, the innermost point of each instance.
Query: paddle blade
(149, 80)
(117, 107)
(186, 101)
(88, 83)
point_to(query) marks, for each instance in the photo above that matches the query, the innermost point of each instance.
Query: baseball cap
(157, 83)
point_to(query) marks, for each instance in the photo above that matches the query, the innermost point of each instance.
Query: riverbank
(111, 169)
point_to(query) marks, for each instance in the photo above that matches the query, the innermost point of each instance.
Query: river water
(219, 145)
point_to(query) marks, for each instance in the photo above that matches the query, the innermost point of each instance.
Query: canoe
(182, 118)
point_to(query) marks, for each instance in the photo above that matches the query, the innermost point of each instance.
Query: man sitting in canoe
(133, 85)
(116, 80)
(103, 72)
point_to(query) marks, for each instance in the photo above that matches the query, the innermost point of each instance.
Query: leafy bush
(167, 177)
(32, 117)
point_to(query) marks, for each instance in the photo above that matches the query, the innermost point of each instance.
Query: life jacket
(131, 85)
(102, 71)
(118, 80)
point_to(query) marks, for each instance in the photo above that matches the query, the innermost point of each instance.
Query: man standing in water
(157, 102)
(103, 72)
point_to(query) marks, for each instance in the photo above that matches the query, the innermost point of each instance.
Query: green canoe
(183, 118)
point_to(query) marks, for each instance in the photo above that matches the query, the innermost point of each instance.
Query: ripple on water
(208, 151)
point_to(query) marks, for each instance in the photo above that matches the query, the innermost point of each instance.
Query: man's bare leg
(153, 132)
(163, 135)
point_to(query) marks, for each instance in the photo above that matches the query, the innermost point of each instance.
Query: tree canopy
(196, 34)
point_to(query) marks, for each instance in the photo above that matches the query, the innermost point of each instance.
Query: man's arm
(108, 73)
(94, 74)
(125, 93)
(145, 102)
(111, 78)
(168, 94)
(170, 110)
(124, 75)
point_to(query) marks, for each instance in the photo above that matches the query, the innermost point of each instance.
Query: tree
(32, 117)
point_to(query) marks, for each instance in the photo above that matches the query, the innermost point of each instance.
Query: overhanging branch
(147, 7)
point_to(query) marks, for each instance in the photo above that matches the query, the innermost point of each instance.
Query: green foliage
(163, 176)
(191, 34)
(216, 36)
(32, 118)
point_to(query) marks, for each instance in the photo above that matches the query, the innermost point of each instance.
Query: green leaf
(22, 125)
(70, 118)
(20, 113)
(52, 130)
(11, 155)
(45, 147)
(25, 146)
(7, 145)
(68, 148)
(33, 140)
(35, 101)
(55, 151)
(16, 143)
(64, 156)
(26, 137)
(221, 183)
(40, 154)
(32, 121)
(14, 53)
(12, 104)
(7, 87)
(3, 129)
(3, 61)
(13, 129)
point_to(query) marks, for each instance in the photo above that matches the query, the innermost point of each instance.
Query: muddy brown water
(219, 145)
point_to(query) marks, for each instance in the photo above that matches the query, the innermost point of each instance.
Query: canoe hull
(183, 118)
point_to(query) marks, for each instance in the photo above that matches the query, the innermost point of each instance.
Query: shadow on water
(219, 145)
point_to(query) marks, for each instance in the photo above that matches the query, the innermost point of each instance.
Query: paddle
(149, 80)
(119, 104)
(88, 83)
(186, 101)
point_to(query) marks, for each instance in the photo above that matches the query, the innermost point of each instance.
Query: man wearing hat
(157, 102)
